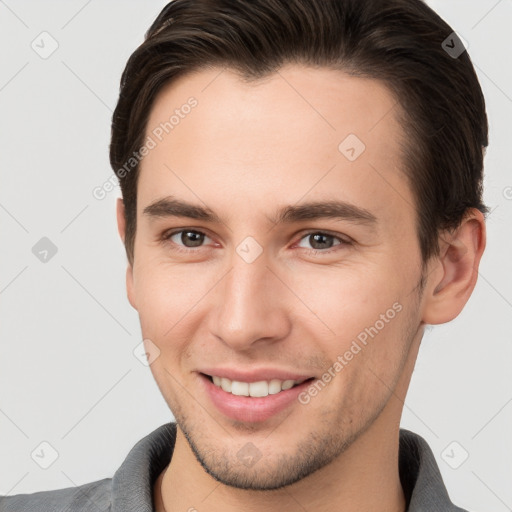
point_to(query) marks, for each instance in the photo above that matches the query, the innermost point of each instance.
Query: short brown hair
(399, 42)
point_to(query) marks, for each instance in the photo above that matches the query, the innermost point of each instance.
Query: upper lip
(254, 375)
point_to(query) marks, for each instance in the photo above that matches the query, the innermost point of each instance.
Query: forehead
(328, 103)
(303, 131)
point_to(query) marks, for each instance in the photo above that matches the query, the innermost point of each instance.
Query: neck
(364, 477)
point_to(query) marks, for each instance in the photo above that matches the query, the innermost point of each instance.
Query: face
(276, 255)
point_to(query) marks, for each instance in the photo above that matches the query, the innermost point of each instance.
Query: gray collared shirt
(131, 488)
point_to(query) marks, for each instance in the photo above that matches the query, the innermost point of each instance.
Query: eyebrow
(338, 210)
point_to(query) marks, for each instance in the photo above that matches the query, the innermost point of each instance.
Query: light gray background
(68, 375)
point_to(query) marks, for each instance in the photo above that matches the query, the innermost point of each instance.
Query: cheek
(349, 299)
(167, 293)
(368, 315)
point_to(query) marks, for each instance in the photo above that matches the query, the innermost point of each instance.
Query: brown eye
(321, 241)
(193, 237)
(186, 238)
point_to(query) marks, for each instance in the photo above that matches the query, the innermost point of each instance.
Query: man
(302, 195)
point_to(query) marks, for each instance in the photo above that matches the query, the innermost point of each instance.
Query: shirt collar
(421, 479)
(132, 484)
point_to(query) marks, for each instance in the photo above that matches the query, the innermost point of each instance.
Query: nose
(251, 305)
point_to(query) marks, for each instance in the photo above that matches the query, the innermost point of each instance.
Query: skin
(245, 150)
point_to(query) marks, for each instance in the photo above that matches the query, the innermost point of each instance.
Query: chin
(249, 468)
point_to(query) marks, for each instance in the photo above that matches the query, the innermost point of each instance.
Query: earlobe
(129, 286)
(121, 227)
(454, 278)
(121, 220)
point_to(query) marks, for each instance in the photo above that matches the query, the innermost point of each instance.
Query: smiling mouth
(257, 389)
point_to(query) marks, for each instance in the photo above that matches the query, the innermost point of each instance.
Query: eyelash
(165, 237)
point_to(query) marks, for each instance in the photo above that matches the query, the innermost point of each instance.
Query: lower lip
(251, 409)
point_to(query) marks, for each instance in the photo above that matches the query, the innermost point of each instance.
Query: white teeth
(287, 384)
(274, 386)
(239, 388)
(261, 388)
(258, 388)
(225, 384)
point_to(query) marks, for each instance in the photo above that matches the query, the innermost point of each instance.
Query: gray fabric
(131, 488)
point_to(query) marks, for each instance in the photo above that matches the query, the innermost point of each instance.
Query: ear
(453, 276)
(121, 219)
(121, 228)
